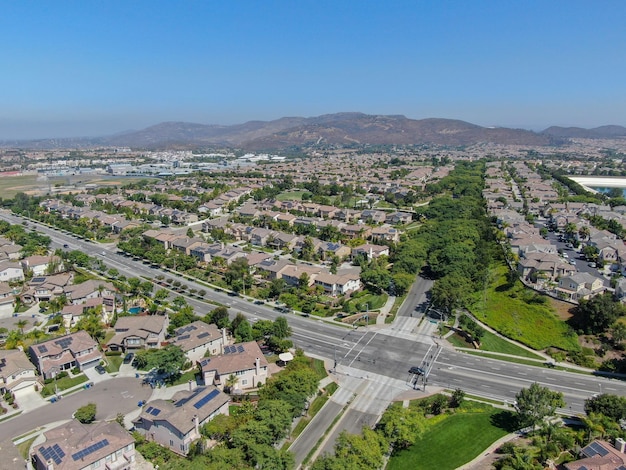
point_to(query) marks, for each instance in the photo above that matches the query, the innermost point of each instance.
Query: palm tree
(21, 324)
(231, 382)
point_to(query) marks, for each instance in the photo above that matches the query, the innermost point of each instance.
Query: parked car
(100, 369)
(128, 358)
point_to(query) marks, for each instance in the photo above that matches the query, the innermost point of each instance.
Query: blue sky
(78, 68)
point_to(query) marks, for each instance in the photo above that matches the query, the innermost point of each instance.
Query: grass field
(453, 440)
(291, 195)
(493, 343)
(519, 314)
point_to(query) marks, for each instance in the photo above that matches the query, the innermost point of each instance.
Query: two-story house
(139, 332)
(17, 373)
(176, 424)
(73, 446)
(243, 361)
(199, 338)
(64, 353)
(580, 286)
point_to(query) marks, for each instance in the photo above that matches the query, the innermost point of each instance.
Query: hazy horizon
(86, 69)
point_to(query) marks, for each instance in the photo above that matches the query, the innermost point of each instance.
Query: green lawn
(63, 384)
(452, 441)
(518, 313)
(291, 195)
(114, 363)
(493, 343)
(363, 301)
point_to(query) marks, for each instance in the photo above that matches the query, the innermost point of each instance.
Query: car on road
(416, 370)
(128, 358)
(66, 245)
(100, 370)
(592, 265)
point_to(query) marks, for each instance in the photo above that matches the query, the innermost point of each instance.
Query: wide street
(378, 351)
(118, 395)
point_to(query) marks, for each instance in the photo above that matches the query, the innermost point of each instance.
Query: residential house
(600, 455)
(11, 251)
(242, 363)
(176, 424)
(45, 288)
(103, 445)
(80, 293)
(64, 353)
(620, 289)
(337, 285)
(198, 339)
(40, 265)
(74, 312)
(11, 272)
(327, 250)
(580, 286)
(6, 294)
(17, 374)
(385, 234)
(399, 218)
(371, 251)
(139, 332)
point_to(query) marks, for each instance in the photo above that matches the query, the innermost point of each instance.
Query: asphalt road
(118, 395)
(379, 351)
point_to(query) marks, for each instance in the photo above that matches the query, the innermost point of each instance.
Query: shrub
(86, 414)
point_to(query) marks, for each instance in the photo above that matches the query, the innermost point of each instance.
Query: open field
(453, 440)
(291, 195)
(522, 315)
(33, 184)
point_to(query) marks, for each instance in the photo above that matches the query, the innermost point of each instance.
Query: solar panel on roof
(155, 412)
(203, 335)
(38, 280)
(59, 450)
(181, 338)
(204, 400)
(240, 349)
(149, 409)
(596, 449)
(90, 450)
(42, 349)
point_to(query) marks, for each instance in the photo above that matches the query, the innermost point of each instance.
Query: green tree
(86, 414)
(598, 313)
(401, 426)
(281, 329)
(219, 316)
(609, 405)
(536, 403)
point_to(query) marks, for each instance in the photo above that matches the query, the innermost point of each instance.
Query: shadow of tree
(507, 420)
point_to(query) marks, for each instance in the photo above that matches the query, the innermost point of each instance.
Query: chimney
(620, 444)
(196, 424)
(190, 385)
(49, 465)
(258, 366)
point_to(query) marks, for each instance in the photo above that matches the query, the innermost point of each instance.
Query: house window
(95, 464)
(171, 443)
(244, 382)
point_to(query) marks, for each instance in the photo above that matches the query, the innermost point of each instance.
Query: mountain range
(339, 129)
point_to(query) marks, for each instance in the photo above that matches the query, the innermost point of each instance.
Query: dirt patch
(563, 310)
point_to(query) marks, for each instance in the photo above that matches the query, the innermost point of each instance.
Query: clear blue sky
(87, 67)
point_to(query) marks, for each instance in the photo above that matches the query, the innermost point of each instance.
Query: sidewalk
(384, 311)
